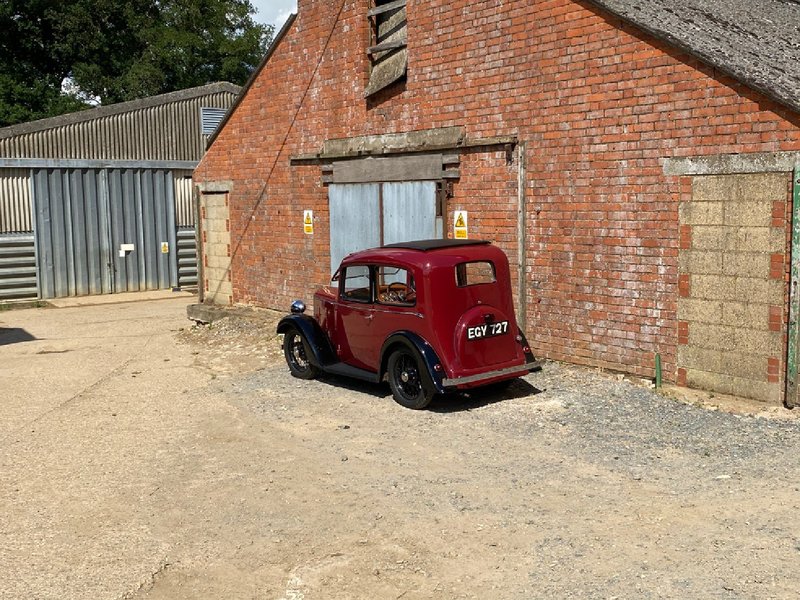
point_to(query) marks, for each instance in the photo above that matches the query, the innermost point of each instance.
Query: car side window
(394, 285)
(356, 284)
(475, 273)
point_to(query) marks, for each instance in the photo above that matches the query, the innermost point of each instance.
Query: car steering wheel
(396, 292)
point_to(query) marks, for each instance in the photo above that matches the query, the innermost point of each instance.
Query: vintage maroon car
(430, 316)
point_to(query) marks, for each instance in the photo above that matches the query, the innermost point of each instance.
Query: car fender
(529, 357)
(415, 342)
(321, 350)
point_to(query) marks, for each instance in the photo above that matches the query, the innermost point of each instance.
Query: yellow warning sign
(460, 225)
(308, 222)
(164, 247)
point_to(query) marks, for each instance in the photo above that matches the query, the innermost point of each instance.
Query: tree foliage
(119, 50)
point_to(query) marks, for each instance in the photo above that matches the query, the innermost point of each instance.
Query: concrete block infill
(706, 262)
(702, 213)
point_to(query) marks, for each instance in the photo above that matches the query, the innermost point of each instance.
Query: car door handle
(369, 317)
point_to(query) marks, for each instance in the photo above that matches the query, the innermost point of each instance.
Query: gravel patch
(570, 483)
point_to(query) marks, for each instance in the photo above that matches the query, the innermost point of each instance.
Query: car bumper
(488, 376)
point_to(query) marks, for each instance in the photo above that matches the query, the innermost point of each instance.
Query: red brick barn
(634, 159)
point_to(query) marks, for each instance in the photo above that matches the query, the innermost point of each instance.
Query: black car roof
(426, 245)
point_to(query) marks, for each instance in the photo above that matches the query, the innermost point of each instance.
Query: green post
(658, 371)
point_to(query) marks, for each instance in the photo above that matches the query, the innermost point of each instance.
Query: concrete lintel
(731, 164)
(393, 144)
(388, 142)
(215, 187)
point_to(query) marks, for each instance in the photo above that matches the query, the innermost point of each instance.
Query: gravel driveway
(228, 478)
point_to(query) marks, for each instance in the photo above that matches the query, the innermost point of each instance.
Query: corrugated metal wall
(355, 215)
(184, 207)
(165, 132)
(187, 258)
(143, 213)
(72, 232)
(75, 210)
(15, 201)
(17, 267)
(98, 179)
(409, 211)
(100, 231)
(185, 222)
(406, 210)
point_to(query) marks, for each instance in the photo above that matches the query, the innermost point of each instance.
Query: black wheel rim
(406, 377)
(297, 352)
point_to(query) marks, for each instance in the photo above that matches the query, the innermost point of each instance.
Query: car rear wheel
(407, 380)
(296, 352)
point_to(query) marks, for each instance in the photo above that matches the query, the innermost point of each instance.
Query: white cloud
(274, 12)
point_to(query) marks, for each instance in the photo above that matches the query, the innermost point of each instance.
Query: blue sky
(274, 12)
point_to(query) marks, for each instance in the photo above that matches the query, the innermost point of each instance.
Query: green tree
(118, 51)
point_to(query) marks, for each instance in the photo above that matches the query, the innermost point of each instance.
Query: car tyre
(296, 351)
(408, 381)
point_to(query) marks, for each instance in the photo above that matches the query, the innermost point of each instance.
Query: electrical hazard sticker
(460, 225)
(308, 222)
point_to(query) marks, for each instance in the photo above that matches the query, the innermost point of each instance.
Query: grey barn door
(142, 207)
(83, 218)
(72, 232)
(367, 215)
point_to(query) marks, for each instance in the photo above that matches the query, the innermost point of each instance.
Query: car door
(356, 312)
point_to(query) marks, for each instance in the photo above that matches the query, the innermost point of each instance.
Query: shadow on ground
(483, 396)
(14, 335)
(444, 403)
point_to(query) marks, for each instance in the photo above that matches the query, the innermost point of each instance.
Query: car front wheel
(296, 352)
(407, 380)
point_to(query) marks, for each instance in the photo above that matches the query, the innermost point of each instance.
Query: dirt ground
(144, 458)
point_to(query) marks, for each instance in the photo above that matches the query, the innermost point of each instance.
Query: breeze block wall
(731, 291)
(599, 105)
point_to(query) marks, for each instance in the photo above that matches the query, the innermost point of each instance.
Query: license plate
(487, 330)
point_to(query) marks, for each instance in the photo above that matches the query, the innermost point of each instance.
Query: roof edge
(787, 101)
(246, 88)
(114, 109)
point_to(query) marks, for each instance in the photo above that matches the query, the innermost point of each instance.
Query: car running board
(340, 368)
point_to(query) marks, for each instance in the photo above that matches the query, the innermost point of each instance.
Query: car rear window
(475, 273)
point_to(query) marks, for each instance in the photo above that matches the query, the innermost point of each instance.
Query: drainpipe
(790, 399)
(522, 233)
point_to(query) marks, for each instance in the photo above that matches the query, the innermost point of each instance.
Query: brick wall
(599, 105)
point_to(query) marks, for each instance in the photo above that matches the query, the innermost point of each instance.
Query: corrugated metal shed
(60, 210)
(165, 127)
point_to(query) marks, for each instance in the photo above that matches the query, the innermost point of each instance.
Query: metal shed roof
(164, 127)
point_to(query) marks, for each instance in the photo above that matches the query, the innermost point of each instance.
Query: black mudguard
(529, 357)
(424, 349)
(321, 350)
